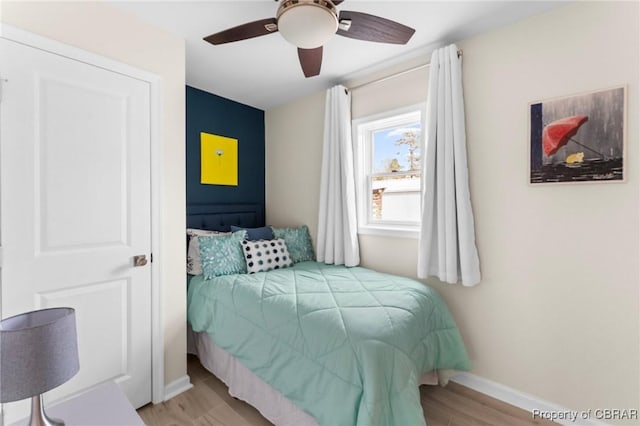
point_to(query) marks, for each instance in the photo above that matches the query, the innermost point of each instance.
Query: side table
(104, 405)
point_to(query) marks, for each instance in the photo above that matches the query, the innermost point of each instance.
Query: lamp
(38, 352)
(307, 23)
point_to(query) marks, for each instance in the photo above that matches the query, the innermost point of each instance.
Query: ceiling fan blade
(363, 26)
(244, 31)
(311, 61)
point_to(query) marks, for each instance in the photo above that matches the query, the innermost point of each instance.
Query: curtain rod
(398, 74)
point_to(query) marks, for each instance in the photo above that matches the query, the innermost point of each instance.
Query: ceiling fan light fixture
(307, 24)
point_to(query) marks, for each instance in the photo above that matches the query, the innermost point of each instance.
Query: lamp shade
(38, 352)
(307, 24)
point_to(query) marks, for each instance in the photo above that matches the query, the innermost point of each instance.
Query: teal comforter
(346, 345)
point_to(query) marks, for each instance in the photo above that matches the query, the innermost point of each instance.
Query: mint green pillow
(298, 242)
(222, 255)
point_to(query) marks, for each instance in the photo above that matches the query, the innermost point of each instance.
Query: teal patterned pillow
(298, 242)
(222, 255)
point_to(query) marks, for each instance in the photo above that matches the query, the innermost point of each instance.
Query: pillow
(265, 255)
(298, 242)
(222, 255)
(194, 266)
(201, 232)
(255, 234)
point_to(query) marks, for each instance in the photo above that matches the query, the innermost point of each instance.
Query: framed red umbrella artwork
(579, 138)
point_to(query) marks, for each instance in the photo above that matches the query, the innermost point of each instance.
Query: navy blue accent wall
(220, 116)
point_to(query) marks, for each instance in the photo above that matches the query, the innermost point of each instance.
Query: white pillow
(264, 255)
(194, 264)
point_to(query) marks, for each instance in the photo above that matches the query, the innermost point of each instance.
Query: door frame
(156, 178)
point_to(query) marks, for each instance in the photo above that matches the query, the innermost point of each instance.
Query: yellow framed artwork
(218, 160)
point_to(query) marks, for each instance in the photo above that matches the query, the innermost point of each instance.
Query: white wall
(560, 263)
(293, 138)
(557, 312)
(102, 29)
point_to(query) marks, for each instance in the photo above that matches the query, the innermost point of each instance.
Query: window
(388, 172)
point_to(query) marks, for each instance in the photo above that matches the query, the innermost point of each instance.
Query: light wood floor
(209, 404)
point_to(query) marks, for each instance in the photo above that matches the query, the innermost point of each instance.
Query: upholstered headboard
(220, 217)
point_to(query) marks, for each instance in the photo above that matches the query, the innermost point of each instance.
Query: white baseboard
(176, 387)
(525, 401)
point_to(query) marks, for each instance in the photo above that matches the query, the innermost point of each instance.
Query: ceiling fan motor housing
(307, 24)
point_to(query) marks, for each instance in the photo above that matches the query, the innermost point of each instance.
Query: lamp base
(38, 416)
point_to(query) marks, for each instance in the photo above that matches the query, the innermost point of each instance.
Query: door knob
(139, 260)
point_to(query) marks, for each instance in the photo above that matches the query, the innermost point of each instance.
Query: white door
(75, 210)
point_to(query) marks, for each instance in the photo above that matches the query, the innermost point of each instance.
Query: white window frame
(362, 130)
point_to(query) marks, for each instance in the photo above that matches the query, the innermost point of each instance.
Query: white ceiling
(264, 72)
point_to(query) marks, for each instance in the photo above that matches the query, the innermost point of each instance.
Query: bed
(323, 344)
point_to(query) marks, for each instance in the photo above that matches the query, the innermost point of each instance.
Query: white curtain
(447, 248)
(337, 226)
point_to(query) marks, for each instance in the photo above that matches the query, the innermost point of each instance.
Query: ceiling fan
(308, 24)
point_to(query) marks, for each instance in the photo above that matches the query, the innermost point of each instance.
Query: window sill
(390, 231)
